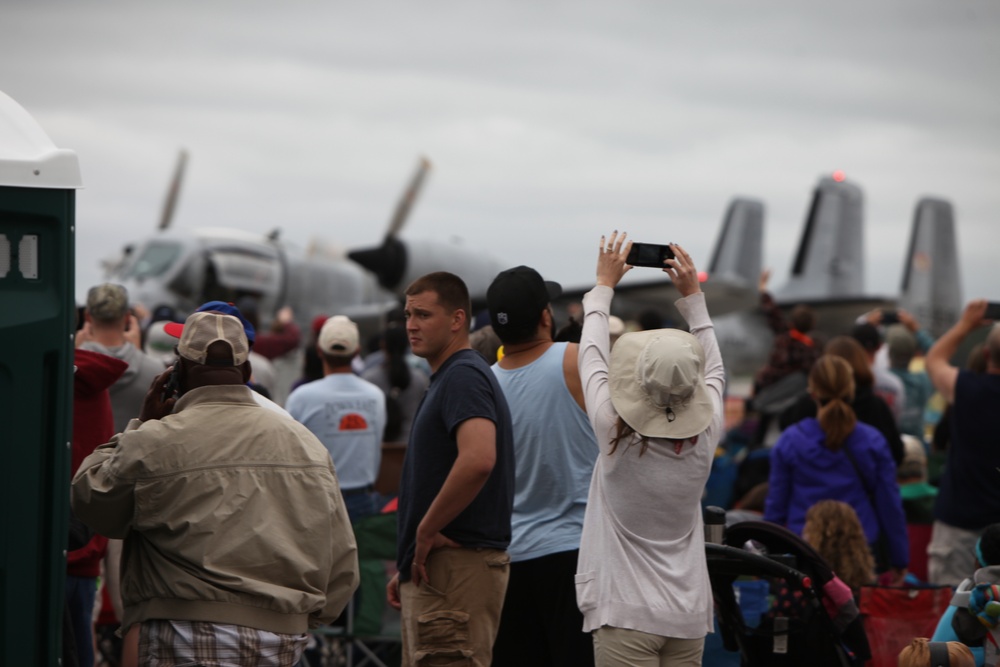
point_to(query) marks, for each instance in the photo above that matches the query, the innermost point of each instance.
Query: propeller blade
(387, 261)
(173, 192)
(405, 204)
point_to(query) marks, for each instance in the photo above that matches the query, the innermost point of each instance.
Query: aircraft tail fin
(829, 262)
(738, 253)
(931, 289)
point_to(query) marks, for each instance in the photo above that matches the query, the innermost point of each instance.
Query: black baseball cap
(867, 335)
(516, 298)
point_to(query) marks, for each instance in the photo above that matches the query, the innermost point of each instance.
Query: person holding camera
(111, 328)
(656, 404)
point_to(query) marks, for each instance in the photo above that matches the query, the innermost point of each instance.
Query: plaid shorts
(164, 643)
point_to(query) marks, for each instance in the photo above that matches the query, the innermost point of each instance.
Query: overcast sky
(548, 123)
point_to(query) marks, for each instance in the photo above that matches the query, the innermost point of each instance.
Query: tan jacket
(230, 513)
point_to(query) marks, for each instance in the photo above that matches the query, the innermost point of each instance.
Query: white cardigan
(642, 553)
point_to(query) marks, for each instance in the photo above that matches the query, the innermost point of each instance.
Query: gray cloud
(548, 124)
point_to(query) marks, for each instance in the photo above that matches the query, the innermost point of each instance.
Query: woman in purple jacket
(833, 456)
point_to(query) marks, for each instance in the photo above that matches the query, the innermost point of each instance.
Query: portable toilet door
(38, 185)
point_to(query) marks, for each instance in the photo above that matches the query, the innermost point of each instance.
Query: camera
(889, 317)
(649, 254)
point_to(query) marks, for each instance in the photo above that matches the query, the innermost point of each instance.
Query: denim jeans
(360, 505)
(80, 594)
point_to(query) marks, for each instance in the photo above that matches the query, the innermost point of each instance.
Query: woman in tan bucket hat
(656, 406)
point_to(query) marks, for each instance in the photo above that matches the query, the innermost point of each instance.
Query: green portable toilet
(37, 316)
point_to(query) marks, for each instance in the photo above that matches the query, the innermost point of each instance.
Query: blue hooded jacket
(804, 471)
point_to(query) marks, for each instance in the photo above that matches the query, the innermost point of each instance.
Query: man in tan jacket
(236, 536)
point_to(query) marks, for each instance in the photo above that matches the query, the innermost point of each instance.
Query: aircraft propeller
(173, 193)
(388, 261)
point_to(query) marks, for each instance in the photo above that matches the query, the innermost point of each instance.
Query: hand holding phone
(889, 317)
(161, 396)
(649, 254)
(171, 387)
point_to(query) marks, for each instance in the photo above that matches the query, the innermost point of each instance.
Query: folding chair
(895, 615)
(366, 623)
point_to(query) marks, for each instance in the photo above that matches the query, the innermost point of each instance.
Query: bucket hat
(657, 382)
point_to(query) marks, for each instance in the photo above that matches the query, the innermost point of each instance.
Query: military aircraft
(183, 269)
(828, 272)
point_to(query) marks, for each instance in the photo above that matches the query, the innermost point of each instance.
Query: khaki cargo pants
(453, 620)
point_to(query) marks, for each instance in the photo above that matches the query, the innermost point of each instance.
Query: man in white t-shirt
(347, 414)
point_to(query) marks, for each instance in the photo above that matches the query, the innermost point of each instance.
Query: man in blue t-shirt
(457, 488)
(969, 497)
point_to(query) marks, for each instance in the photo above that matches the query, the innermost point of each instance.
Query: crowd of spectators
(562, 464)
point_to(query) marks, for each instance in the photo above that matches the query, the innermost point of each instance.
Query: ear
(545, 323)
(246, 370)
(459, 320)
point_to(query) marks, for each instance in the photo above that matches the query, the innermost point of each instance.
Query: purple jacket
(804, 471)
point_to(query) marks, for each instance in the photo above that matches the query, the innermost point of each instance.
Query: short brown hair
(851, 351)
(451, 291)
(336, 360)
(803, 318)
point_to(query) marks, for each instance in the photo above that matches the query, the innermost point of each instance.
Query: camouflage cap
(902, 345)
(107, 302)
(203, 329)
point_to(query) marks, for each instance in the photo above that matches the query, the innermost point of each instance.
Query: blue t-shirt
(463, 388)
(969, 495)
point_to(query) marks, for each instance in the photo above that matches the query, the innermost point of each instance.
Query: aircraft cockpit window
(154, 261)
(245, 271)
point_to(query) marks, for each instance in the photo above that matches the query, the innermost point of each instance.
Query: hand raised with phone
(162, 395)
(682, 272)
